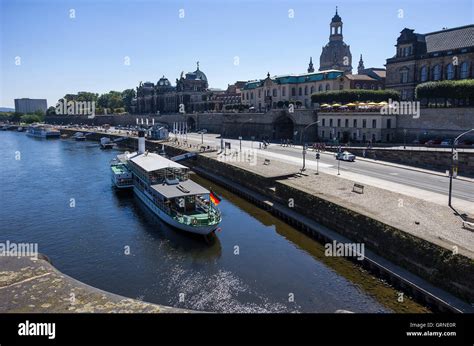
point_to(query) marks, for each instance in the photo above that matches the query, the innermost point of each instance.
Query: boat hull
(203, 230)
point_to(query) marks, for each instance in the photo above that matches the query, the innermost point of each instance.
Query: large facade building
(26, 105)
(356, 127)
(442, 55)
(272, 92)
(191, 94)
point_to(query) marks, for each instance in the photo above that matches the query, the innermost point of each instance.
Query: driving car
(345, 156)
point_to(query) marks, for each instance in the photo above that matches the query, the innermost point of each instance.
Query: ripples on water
(87, 242)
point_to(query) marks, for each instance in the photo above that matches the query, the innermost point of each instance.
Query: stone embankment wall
(436, 123)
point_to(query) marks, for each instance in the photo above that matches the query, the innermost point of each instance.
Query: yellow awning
(362, 104)
(336, 105)
(351, 105)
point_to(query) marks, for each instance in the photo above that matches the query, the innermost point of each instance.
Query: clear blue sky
(61, 55)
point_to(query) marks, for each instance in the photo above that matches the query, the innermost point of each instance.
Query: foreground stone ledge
(36, 286)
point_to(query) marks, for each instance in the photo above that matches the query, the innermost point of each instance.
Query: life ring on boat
(195, 221)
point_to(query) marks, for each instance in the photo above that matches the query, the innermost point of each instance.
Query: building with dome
(191, 94)
(336, 55)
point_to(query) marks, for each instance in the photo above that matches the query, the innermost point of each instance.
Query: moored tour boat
(43, 131)
(164, 187)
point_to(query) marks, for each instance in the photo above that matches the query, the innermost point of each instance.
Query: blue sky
(62, 55)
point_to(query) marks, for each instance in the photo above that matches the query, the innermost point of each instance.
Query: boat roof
(184, 188)
(152, 162)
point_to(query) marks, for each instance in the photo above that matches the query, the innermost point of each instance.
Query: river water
(58, 193)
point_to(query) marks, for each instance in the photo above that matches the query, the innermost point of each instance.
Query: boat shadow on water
(198, 246)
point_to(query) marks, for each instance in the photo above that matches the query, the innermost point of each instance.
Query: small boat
(122, 178)
(43, 131)
(106, 143)
(79, 136)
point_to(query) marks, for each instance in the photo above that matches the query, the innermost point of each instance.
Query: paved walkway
(397, 206)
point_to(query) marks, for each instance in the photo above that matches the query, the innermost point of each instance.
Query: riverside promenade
(404, 231)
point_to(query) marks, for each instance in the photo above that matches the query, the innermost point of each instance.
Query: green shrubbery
(458, 91)
(361, 95)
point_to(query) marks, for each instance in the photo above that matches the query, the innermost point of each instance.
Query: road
(463, 190)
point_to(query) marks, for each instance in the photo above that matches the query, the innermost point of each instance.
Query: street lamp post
(451, 171)
(304, 144)
(404, 138)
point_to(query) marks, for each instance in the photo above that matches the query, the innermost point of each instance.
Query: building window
(355, 123)
(324, 122)
(306, 90)
(338, 122)
(330, 122)
(320, 87)
(283, 91)
(404, 75)
(274, 93)
(322, 134)
(300, 91)
(346, 123)
(312, 89)
(259, 93)
(357, 86)
(424, 74)
(364, 123)
(389, 123)
(450, 71)
(293, 91)
(251, 95)
(328, 87)
(464, 70)
(437, 72)
(374, 123)
(404, 94)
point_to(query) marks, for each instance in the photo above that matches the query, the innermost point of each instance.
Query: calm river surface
(88, 241)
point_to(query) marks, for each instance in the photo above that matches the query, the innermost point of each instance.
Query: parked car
(447, 142)
(345, 156)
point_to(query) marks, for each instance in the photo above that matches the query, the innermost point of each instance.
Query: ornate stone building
(441, 55)
(190, 94)
(336, 55)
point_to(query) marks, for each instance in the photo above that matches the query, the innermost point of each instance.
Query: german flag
(214, 198)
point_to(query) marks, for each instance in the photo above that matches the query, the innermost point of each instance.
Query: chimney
(141, 142)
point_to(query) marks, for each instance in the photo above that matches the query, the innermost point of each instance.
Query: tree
(30, 118)
(127, 96)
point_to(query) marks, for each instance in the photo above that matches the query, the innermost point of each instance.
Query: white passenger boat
(164, 187)
(43, 131)
(106, 143)
(79, 136)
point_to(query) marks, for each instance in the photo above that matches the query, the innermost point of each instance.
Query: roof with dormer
(297, 78)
